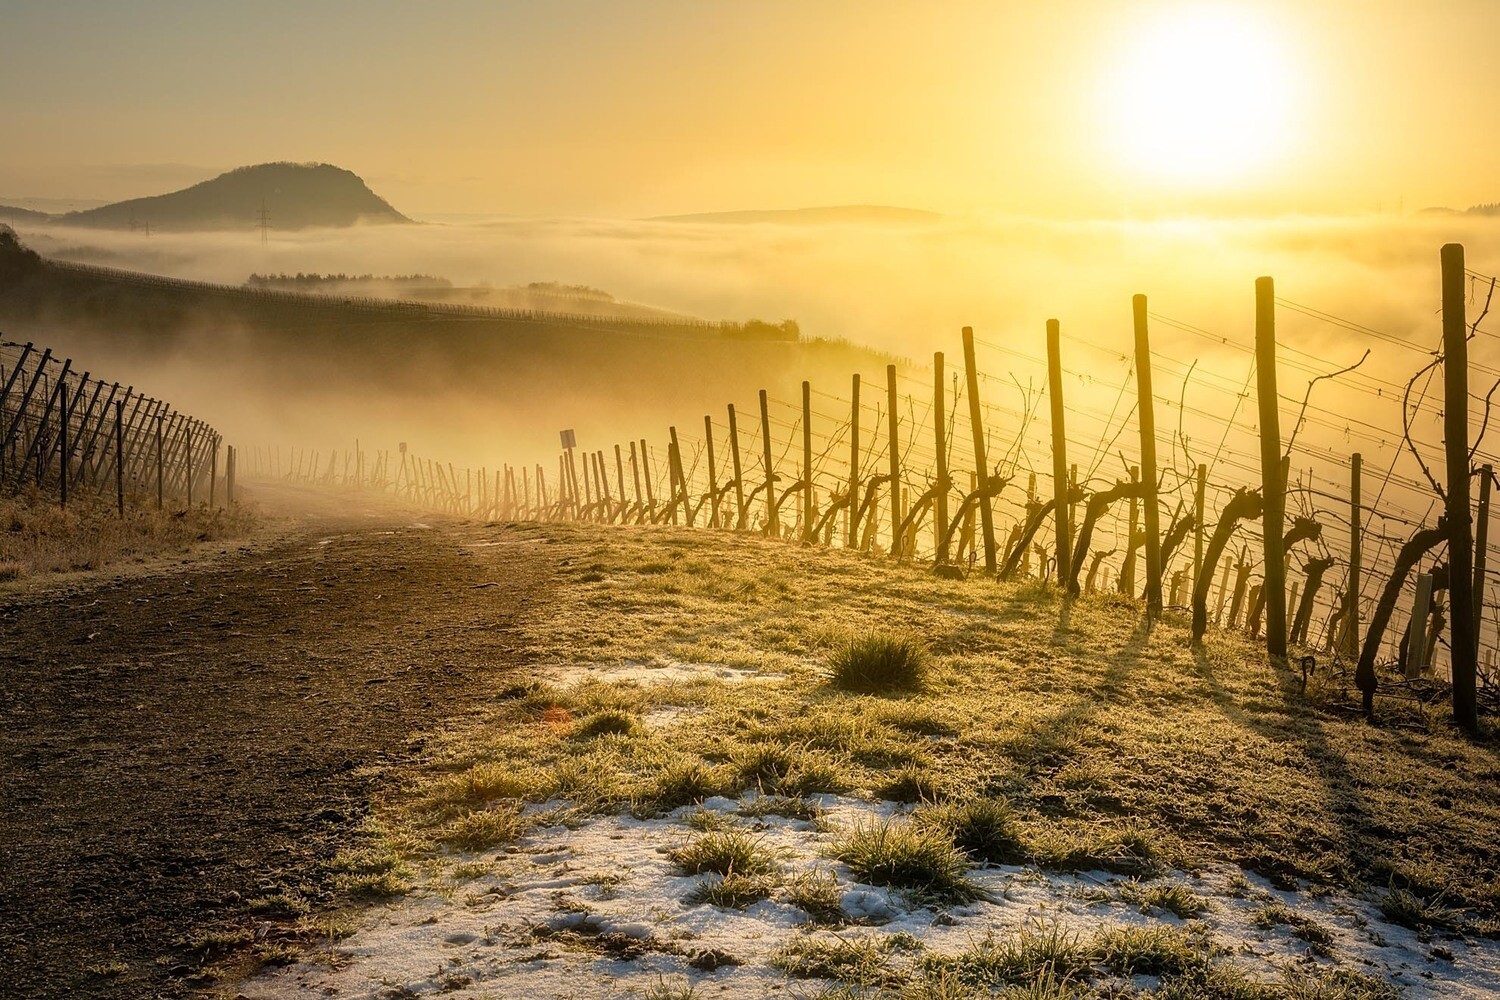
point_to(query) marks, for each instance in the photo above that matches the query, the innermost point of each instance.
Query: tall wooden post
(940, 439)
(619, 478)
(1273, 484)
(1147, 420)
(213, 469)
(62, 440)
(160, 472)
(120, 457)
(713, 473)
(1351, 626)
(188, 459)
(231, 467)
(851, 519)
(739, 478)
(572, 471)
(981, 460)
(1200, 489)
(1061, 511)
(807, 487)
(893, 432)
(1481, 545)
(1464, 652)
(772, 528)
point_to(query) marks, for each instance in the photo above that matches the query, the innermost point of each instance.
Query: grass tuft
(985, 829)
(817, 894)
(903, 855)
(880, 664)
(485, 828)
(1037, 953)
(732, 892)
(725, 852)
(610, 722)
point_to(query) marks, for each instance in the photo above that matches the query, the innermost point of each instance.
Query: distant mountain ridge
(292, 196)
(867, 214)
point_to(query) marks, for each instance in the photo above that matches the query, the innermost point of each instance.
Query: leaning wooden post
(62, 440)
(120, 457)
(893, 431)
(740, 513)
(713, 473)
(187, 457)
(1464, 652)
(160, 477)
(807, 487)
(619, 477)
(940, 438)
(772, 528)
(851, 513)
(981, 461)
(1350, 645)
(1147, 420)
(1481, 543)
(1060, 512)
(1199, 492)
(678, 489)
(650, 473)
(1273, 485)
(1416, 629)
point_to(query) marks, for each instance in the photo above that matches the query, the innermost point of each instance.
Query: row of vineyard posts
(70, 435)
(1281, 615)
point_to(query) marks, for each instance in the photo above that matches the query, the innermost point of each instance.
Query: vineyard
(1327, 536)
(71, 435)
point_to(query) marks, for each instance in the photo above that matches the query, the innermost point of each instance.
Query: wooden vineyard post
(62, 438)
(188, 458)
(1481, 543)
(1464, 650)
(1147, 421)
(120, 457)
(1273, 484)
(159, 472)
(1060, 512)
(772, 528)
(649, 474)
(739, 477)
(851, 513)
(1351, 630)
(940, 438)
(678, 489)
(1416, 630)
(572, 470)
(619, 479)
(713, 473)
(1127, 565)
(981, 460)
(231, 466)
(1200, 489)
(807, 486)
(893, 432)
(213, 470)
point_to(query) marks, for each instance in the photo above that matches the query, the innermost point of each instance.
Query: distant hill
(294, 196)
(832, 214)
(10, 213)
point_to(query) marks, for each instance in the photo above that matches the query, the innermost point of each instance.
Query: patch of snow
(646, 673)
(592, 911)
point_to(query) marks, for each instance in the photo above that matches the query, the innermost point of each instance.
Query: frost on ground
(595, 907)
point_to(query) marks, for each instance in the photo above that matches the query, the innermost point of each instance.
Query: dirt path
(175, 742)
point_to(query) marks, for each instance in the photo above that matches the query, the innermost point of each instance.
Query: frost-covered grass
(1056, 762)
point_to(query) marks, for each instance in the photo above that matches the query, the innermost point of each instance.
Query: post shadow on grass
(1305, 730)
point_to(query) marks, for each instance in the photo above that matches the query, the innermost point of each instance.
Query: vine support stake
(1273, 486)
(1464, 652)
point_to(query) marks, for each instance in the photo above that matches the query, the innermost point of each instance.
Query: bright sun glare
(1201, 97)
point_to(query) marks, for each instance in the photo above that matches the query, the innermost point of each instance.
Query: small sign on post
(568, 439)
(401, 447)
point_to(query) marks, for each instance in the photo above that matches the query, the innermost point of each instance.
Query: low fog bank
(905, 290)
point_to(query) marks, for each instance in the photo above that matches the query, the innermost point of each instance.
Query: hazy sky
(1060, 109)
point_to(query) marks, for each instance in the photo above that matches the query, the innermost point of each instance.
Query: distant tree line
(574, 291)
(301, 280)
(754, 329)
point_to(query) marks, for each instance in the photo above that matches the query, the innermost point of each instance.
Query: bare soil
(177, 743)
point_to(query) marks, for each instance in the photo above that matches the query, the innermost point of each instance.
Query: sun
(1202, 97)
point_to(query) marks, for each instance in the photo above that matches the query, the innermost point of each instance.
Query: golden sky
(1069, 109)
